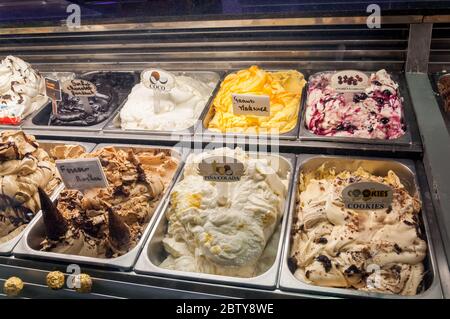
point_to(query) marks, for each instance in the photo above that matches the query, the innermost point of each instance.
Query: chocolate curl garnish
(119, 233)
(15, 212)
(55, 224)
(154, 185)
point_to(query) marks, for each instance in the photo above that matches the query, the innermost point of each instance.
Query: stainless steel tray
(202, 128)
(153, 253)
(113, 125)
(405, 170)
(408, 118)
(29, 245)
(43, 115)
(7, 247)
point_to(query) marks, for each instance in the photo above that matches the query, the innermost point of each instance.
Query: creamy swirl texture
(284, 89)
(108, 222)
(372, 250)
(24, 167)
(179, 109)
(223, 228)
(22, 90)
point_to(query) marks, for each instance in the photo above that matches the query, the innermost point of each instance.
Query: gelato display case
(226, 149)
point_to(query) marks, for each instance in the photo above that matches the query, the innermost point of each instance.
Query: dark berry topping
(352, 270)
(292, 264)
(397, 249)
(378, 83)
(325, 261)
(360, 96)
(379, 100)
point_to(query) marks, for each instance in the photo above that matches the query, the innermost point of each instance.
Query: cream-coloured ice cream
(379, 251)
(223, 228)
(24, 167)
(179, 109)
(22, 90)
(108, 222)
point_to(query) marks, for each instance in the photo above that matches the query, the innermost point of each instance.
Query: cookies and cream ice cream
(375, 113)
(22, 90)
(179, 108)
(370, 250)
(108, 222)
(284, 89)
(223, 228)
(24, 167)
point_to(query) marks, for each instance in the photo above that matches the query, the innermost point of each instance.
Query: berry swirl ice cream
(376, 113)
(22, 90)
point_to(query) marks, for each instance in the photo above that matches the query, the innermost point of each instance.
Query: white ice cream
(22, 90)
(224, 228)
(180, 108)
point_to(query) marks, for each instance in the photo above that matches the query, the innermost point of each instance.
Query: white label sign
(349, 81)
(79, 87)
(158, 79)
(221, 169)
(82, 173)
(246, 104)
(367, 196)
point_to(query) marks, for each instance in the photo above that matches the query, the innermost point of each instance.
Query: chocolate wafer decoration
(119, 233)
(55, 224)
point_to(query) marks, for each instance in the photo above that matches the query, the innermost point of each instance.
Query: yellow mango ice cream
(284, 89)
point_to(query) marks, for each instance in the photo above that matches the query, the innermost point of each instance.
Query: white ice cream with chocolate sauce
(179, 109)
(223, 228)
(371, 250)
(22, 90)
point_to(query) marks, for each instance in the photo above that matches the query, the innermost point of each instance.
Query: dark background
(52, 12)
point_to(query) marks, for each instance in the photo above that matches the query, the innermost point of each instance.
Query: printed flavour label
(157, 79)
(53, 89)
(349, 81)
(367, 196)
(221, 169)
